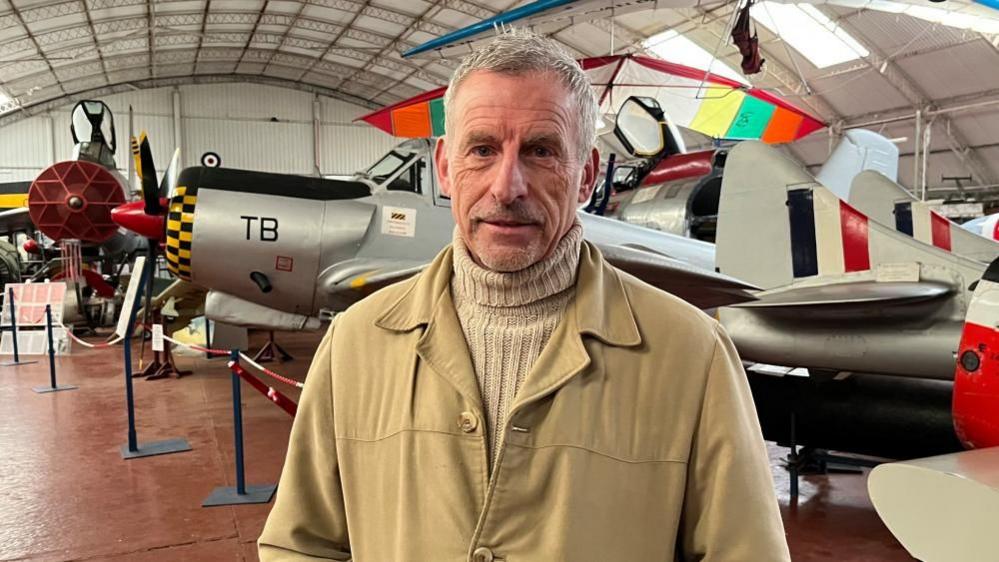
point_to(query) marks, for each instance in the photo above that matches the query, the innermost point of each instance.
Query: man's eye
(541, 152)
(482, 151)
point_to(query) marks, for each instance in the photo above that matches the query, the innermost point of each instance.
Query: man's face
(512, 168)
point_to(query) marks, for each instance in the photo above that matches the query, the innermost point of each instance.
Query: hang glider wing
(542, 16)
(715, 106)
(550, 16)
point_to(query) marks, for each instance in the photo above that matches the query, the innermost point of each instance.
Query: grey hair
(520, 51)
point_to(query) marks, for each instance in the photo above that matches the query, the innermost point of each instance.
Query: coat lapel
(600, 309)
(442, 345)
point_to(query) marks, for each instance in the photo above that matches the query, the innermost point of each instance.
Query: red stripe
(853, 225)
(940, 229)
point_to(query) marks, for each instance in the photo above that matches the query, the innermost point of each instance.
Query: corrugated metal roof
(55, 51)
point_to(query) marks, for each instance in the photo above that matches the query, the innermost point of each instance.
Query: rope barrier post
(53, 386)
(132, 449)
(241, 493)
(13, 332)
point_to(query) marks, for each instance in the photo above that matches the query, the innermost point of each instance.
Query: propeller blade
(169, 184)
(150, 191)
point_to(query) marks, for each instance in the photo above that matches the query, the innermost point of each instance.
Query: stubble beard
(504, 257)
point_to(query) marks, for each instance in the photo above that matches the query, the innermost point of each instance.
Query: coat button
(482, 554)
(467, 422)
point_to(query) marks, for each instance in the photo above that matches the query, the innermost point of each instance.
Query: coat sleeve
(730, 510)
(308, 521)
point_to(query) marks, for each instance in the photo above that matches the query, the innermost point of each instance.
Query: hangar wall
(251, 126)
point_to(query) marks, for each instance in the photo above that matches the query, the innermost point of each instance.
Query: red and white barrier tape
(242, 356)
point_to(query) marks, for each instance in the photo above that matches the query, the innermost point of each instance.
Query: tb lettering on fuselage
(267, 231)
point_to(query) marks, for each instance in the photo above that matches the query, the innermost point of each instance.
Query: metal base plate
(15, 363)
(44, 389)
(226, 495)
(164, 447)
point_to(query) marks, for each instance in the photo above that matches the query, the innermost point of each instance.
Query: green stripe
(751, 120)
(437, 117)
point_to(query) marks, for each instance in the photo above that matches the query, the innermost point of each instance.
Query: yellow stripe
(718, 109)
(185, 236)
(11, 200)
(184, 254)
(173, 242)
(173, 225)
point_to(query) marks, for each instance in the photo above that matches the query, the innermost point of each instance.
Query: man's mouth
(507, 223)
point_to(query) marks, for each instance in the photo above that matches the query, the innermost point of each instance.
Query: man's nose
(509, 183)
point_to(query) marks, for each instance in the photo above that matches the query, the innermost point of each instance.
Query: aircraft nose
(180, 231)
(133, 217)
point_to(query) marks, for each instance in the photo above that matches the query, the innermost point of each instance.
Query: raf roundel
(211, 160)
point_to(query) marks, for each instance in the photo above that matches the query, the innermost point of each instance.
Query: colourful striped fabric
(712, 105)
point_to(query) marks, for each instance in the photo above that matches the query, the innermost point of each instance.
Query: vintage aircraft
(844, 296)
(680, 194)
(70, 204)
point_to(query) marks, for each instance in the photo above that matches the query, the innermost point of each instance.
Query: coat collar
(600, 308)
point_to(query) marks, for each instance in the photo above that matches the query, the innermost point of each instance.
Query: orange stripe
(783, 126)
(412, 121)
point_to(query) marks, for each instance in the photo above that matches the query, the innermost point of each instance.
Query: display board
(30, 300)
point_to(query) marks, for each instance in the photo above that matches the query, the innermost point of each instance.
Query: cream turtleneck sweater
(508, 319)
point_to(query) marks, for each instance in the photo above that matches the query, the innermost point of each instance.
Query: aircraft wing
(14, 220)
(701, 287)
(859, 296)
(348, 282)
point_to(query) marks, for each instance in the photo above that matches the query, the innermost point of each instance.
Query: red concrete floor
(66, 494)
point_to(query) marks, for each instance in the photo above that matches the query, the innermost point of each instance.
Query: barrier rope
(242, 356)
(272, 394)
(269, 372)
(282, 401)
(89, 345)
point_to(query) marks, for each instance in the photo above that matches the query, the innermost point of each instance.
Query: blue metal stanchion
(13, 332)
(132, 449)
(241, 493)
(53, 386)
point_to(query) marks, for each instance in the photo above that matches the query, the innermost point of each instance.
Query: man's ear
(590, 171)
(441, 165)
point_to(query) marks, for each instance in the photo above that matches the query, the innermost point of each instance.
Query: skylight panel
(673, 47)
(810, 32)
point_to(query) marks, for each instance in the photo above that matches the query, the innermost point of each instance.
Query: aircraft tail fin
(857, 151)
(889, 204)
(777, 225)
(976, 375)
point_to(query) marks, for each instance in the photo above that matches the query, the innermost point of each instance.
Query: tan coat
(633, 438)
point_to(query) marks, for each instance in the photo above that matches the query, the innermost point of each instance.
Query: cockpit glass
(388, 165)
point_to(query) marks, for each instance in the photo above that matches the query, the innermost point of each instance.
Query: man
(522, 400)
